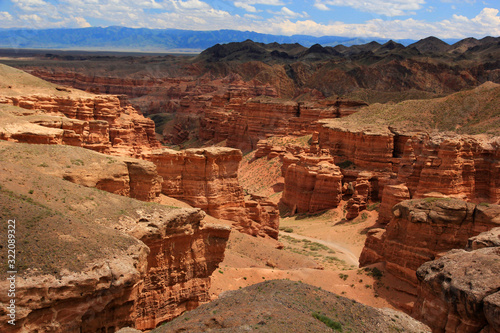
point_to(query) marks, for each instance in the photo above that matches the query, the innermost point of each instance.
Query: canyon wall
(207, 178)
(460, 291)
(165, 274)
(245, 121)
(421, 230)
(204, 178)
(184, 251)
(416, 165)
(104, 123)
(312, 184)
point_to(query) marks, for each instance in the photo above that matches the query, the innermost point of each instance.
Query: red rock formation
(439, 165)
(184, 253)
(312, 184)
(359, 198)
(366, 148)
(243, 121)
(107, 124)
(459, 292)
(265, 214)
(207, 178)
(167, 273)
(422, 229)
(123, 176)
(391, 195)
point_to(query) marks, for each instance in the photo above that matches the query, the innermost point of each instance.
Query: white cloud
(285, 12)
(194, 4)
(264, 2)
(321, 6)
(4, 16)
(81, 22)
(245, 6)
(485, 23)
(381, 7)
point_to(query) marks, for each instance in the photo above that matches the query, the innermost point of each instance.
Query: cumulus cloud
(245, 6)
(200, 15)
(487, 22)
(381, 7)
(321, 6)
(285, 12)
(4, 16)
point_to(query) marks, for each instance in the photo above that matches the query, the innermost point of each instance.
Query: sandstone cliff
(204, 178)
(421, 230)
(89, 260)
(312, 184)
(245, 121)
(207, 178)
(459, 292)
(105, 124)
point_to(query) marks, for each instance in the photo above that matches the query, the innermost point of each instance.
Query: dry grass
(59, 225)
(475, 111)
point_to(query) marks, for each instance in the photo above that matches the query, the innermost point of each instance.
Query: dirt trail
(344, 253)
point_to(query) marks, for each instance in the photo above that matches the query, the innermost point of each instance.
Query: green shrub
(328, 321)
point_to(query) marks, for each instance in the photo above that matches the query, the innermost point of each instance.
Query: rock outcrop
(91, 261)
(207, 178)
(265, 217)
(184, 251)
(167, 274)
(460, 292)
(244, 122)
(99, 298)
(421, 230)
(133, 178)
(423, 165)
(104, 123)
(312, 184)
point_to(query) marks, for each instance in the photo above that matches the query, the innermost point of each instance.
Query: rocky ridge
(110, 125)
(86, 261)
(288, 306)
(459, 292)
(422, 230)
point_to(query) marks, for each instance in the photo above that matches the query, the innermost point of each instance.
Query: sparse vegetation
(328, 321)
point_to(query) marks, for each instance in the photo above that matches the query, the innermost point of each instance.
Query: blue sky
(375, 18)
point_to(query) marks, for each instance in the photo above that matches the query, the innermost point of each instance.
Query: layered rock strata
(129, 177)
(460, 292)
(465, 167)
(265, 216)
(421, 230)
(207, 178)
(247, 122)
(184, 251)
(99, 298)
(107, 124)
(312, 184)
(165, 274)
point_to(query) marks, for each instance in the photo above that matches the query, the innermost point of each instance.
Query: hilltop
(287, 306)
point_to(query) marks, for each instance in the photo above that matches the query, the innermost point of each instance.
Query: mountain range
(142, 39)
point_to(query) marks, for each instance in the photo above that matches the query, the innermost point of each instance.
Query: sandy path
(346, 254)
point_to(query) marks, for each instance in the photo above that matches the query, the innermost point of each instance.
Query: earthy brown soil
(59, 225)
(288, 306)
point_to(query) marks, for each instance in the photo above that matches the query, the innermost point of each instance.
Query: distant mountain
(431, 45)
(142, 39)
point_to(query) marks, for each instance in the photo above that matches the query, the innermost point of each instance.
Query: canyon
(110, 256)
(246, 141)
